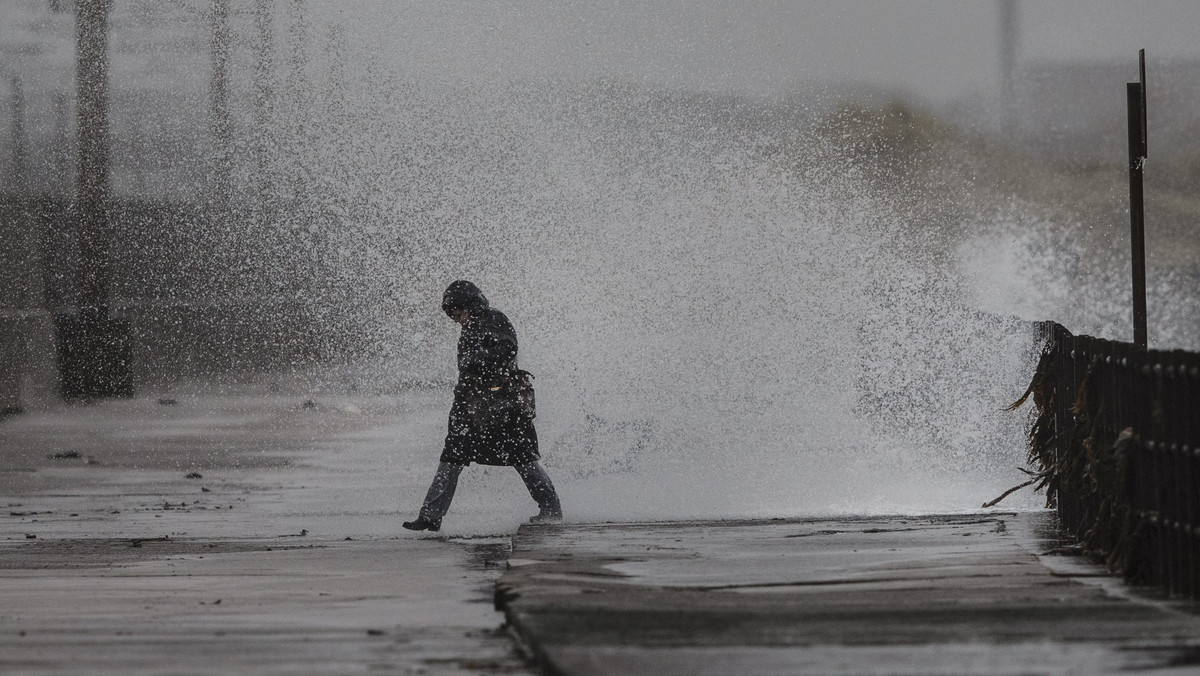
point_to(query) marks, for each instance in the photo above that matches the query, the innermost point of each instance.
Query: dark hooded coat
(484, 428)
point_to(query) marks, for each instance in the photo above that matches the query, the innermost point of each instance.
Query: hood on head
(463, 295)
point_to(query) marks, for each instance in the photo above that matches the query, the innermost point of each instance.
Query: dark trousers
(445, 481)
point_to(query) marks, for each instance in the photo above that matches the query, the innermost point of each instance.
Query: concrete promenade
(259, 533)
(981, 594)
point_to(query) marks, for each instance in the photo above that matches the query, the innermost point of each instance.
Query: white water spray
(726, 318)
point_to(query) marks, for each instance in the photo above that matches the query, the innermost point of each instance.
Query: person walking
(491, 420)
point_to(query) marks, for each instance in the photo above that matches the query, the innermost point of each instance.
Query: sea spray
(728, 314)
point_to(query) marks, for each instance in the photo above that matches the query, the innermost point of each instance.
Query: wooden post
(1136, 100)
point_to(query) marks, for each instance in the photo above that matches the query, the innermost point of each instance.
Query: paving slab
(992, 593)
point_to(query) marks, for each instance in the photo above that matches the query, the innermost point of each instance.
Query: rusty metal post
(1136, 102)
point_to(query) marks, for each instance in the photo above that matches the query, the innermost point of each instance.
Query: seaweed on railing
(1041, 434)
(1114, 445)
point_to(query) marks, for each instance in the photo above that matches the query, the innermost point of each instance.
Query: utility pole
(297, 111)
(264, 96)
(298, 73)
(222, 128)
(94, 349)
(335, 90)
(91, 199)
(1008, 62)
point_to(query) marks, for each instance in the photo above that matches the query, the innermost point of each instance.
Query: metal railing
(1117, 445)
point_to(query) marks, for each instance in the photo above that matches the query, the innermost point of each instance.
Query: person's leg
(541, 489)
(439, 496)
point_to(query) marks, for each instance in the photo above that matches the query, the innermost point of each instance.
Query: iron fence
(1117, 445)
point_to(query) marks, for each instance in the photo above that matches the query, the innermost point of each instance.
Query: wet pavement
(215, 607)
(988, 593)
(235, 535)
(259, 533)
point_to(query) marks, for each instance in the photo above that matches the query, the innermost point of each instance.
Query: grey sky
(937, 49)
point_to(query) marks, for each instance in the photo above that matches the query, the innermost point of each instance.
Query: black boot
(541, 489)
(547, 516)
(422, 524)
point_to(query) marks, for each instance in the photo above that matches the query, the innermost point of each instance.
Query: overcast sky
(937, 49)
